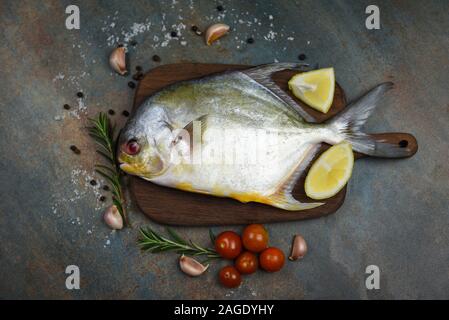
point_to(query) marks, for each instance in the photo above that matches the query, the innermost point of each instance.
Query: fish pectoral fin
(194, 129)
(198, 123)
(287, 202)
(262, 74)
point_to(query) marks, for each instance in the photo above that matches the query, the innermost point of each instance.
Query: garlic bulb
(191, 267)
(299, 248)
(117, 60)
(113, 218)
(215, 32)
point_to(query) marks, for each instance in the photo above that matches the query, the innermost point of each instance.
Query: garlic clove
(299, 248)
(191, 267)
(216, 31)
(117, 60)
(113, 218)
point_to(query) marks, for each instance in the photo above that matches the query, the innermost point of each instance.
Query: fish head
(141, 148)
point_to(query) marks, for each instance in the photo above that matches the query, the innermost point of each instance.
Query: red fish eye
(132, 147)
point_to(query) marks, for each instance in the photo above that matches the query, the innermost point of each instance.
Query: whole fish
(238, 135)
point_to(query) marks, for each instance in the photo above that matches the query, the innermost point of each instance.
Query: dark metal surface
(396, 214)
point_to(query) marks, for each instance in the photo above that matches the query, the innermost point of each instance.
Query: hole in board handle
(403, 143)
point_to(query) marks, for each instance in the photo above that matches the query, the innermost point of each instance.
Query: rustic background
(396, 214)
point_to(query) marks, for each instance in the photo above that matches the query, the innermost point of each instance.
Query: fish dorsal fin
(282, 197)
(262, 74)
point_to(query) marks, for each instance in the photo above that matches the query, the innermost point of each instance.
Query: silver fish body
(232, 136)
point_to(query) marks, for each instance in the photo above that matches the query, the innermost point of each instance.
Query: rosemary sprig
(103, 133)
(153, 242)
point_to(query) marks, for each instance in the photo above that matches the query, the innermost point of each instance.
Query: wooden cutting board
(175, 207)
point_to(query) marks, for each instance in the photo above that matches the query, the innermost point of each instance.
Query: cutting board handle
(403, 140)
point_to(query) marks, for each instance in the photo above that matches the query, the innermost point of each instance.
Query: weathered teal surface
(396, 214)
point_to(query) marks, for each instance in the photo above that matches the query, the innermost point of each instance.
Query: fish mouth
(138, 170)
(127, 168)
(149, 167)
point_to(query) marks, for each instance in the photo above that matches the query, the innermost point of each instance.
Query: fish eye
(132, 147)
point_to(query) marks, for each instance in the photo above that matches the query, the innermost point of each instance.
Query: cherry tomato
(272, 259)
(246, 263)
(228, 244)
(230, 277)
(255, 238)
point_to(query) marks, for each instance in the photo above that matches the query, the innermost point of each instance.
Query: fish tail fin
(349, 125)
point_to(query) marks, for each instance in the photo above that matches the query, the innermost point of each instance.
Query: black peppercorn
(302, 56)
(173, 34)
(156, 58)
(75, 149)
(220, 8)
(138, 68)
(131, 84)
(80, 94)
(105, 188)
(93, 182)
(66, 106)
(102, 198)
(138, 76)
(125, 113)
(111, 112)
(250, 40)
(133, 43)
(196, 30)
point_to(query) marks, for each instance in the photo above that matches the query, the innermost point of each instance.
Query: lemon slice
(330, 173)
(315, 88)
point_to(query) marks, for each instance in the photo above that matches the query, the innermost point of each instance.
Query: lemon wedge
(315, 88)
(330, 172)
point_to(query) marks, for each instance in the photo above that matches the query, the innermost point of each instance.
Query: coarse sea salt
(271, 35)
(80, 179)
(59, 76)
